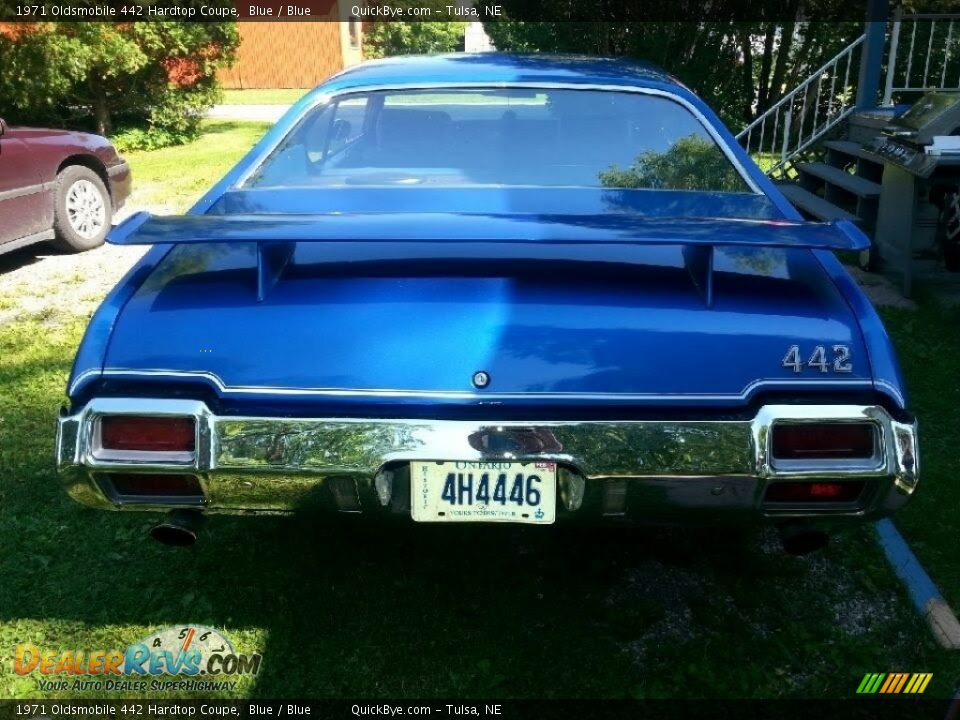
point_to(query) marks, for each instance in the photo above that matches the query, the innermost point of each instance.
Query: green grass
(284, 96)
(355, 610)
(928, 344)
(176, 177)
(401, 611)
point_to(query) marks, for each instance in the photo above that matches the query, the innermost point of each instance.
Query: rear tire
(82, 210)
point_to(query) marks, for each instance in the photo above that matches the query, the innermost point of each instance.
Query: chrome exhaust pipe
(801, 539)
(180, 529)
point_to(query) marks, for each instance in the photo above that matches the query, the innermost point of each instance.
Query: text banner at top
(545, 11)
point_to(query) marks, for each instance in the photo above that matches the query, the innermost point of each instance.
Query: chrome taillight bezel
(96, 455)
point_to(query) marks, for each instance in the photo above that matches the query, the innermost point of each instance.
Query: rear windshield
(514, 137)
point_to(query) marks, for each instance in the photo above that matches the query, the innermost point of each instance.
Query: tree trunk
(780, 68)
(747, 75)
(802, 64)
(763, 87)
(101, 111)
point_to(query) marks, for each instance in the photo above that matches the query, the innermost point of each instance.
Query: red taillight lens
(805, 492)
(150, 434)
(823, 441)
(155, 485)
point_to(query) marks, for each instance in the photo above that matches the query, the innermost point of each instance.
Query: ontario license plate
(459, 491)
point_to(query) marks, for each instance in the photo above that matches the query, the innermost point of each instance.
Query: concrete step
(814, 204)
(834, 176)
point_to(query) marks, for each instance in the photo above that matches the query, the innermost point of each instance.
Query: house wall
(291, 54)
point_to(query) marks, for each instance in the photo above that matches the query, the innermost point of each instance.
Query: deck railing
(924, 54)
(805, 114)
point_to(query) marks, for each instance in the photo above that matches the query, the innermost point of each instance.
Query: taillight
(154, 485)
(148, 434)
(823, 441)
(813, 492)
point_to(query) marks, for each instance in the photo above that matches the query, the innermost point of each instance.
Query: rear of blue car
(553, 301)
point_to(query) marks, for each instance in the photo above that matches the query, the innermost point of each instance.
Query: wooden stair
(845, 185)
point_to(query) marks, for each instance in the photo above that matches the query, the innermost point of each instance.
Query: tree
(394, 37)
(158, 77)
(691, 163)
(398, 37)
(739, 67)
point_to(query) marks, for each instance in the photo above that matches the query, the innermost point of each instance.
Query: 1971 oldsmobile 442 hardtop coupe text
(58, 185)
(491, 289)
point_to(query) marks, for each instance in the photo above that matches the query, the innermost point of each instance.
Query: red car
(58, 185)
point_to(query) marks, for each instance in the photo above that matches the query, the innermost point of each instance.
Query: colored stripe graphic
(886, 686)
(914, 682)
(894, 683)
(897, 684)
(870, 683)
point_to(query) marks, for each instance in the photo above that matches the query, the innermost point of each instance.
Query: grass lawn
(174, 178)
(352, 610)
(284, 96)
(928, 343)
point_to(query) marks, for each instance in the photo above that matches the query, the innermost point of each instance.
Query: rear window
(514, 137)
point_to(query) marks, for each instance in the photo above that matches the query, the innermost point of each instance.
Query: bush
(148, 139)
(150, 81)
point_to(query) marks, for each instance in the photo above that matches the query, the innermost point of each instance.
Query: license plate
(459, 491)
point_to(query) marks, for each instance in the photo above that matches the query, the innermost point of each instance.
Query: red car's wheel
(82, 210)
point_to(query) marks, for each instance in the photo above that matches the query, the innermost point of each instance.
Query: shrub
(150, 81)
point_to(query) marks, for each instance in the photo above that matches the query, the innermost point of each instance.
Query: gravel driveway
(38, 281)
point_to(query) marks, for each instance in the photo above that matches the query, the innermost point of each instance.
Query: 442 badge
(201, 658)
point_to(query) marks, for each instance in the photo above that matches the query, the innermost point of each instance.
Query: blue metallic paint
(362, 230)
(639, 330)
(648, 336)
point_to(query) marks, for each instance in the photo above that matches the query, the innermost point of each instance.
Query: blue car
(492, 288)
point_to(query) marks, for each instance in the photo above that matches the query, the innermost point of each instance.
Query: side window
(348, 124)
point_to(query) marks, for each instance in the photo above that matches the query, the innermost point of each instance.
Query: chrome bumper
(689, 470)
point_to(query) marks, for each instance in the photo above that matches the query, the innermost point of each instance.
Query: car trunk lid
(571, 311)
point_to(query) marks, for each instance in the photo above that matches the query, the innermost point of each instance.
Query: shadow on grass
(22, 257)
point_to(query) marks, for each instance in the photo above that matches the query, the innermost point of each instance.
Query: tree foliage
(691, 163)
(739, 68)
(399, 37)
(154, 79)
(384, 39)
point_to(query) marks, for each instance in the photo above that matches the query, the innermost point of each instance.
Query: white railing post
(892, 58)
(787, 118)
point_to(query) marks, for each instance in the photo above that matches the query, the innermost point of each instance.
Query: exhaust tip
(802, 539)
(180, 529)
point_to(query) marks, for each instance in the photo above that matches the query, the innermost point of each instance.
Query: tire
(82, 210)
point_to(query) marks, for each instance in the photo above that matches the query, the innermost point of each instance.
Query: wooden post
(871, 57)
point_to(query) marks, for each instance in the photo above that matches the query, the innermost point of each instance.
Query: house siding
(290, 54)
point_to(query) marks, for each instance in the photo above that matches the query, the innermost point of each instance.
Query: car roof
(505, 68)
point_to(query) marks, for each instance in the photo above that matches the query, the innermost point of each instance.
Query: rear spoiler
(369, 237)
